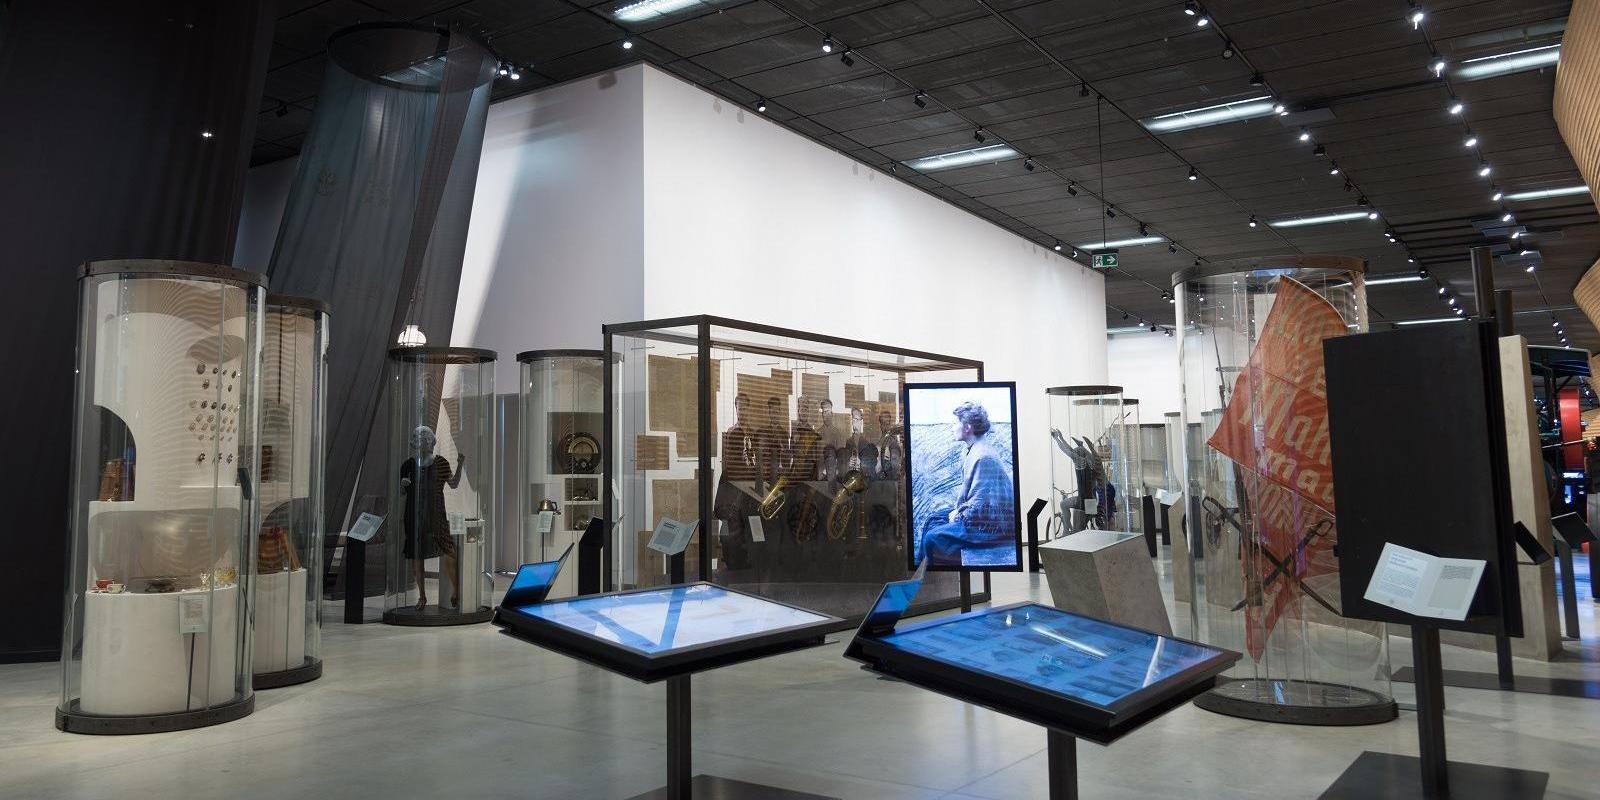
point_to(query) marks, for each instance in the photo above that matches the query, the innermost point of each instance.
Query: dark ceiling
(1355, 72)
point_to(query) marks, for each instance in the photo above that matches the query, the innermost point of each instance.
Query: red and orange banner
(1275, 428)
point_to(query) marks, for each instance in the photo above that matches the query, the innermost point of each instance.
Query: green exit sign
(1105, 260)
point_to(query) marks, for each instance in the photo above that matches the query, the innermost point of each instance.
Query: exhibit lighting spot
(1507, 63)
(1234, 111)
(1438, 67)
(627, 44)
(845, 59)
(206, 134)
(1305, 135)
(1121, 243)
(1499, 194)
(1252, 220)
(1333, 168)
(978, 136)
(1415, 15)
(1506, 217)
(1540, 194)
(1193, 176)
(650, 9)
(1323, 219)
(1456, 106)
(1382, 280)
(1472, 141)
(515, 75)
(761, 106)
(1372, 215)
(1057, 248)
(920, 99)
(827, 44)
(1483, 170)
(1072, 188)
(1191, 9)
(963, 158)
(1027, 164)
(1202, 21)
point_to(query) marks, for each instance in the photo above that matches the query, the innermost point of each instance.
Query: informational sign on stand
(1424, 585)
(194, 613)
(366, 527)
(671, 536)
(544, 521)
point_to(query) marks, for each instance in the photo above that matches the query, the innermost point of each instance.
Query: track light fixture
(1083, 89)
(1483, 169)
(1191, 9)
(761, 105)
(1027, 164)
(1124, 315)
(1530, 267)
(1227, 49)
(1305, 135)
(1363, 201)
(1111, 213)
(920, 99)
(1193, 176)
(1349, 185)
(1143, 231)
(1333, 168)
(1257, 79)
(1497, 195)
(1057, 247)
(844, 58)
(1319, 151)
(1072, 189)
(827, 44)
(1456, 106)
(1506, 216)
(1372, 215)
(1471, 141)
(1253, 222)
(978, 136)
(504, 71)
(1172, 248)
(1414, 15)
(1442, 291)
(1202, 20)
(1438, 67)
(627, 44)
(515, 74)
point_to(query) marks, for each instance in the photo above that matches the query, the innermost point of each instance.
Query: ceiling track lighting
(1497, 195)
(1083, 89)
(844, 58)
(761, 105)
(1143, 230)
(920, 99)
(1227, 49)
(1349, 185)
(516, 75)
(1193, 176)
(1191, 9)
(1257, 79)
(1057, 246)
(1437, 67)
(1280, 109)
(1372, 215)
(1363, 201)
(1456, 106)
(1074, 252)
(977, 136)
(503, 70)
(627, 44)
(1305, 135)
(1483, 169)
(1471, 141)
(1072, 188)
(1027, 164)
(1415, 15)
(827, 43)
(1253, 222)
(1202, 20)
(1111, 213)
(1319, 151)
(206, 134)
(1505, 216)
(1333, 169)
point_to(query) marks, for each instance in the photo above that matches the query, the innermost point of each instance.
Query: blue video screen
(671, 617)
(1084, 659)
(962, 463)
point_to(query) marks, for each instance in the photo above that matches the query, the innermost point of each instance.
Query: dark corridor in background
(105, 156)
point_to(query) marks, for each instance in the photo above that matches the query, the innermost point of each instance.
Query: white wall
(748, 220)
(1145, 365)
(554, 250)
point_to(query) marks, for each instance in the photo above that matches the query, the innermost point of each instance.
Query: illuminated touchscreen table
(668, 633)
(1079, 677)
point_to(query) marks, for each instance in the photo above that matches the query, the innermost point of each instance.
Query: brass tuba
(839, 515)
(773, 502)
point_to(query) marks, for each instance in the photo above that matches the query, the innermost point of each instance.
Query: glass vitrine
(439, 529)
(1093, 459)
(782, 450)
(558, 453)
(288, 591)
(1259, 489)
(165, 492)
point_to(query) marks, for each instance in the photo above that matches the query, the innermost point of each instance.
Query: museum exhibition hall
(800, 399)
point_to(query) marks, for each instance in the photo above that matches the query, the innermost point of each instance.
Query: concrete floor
(464, 713)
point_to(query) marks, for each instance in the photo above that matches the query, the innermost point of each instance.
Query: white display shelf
(136, 661)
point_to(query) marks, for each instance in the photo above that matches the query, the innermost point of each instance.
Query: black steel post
(966, 591)
(1483, 281)
(355, 581)
(1569, 588)
(706, 481)
(1504, 309)
(680, 762)
(1033, 535)
(1429, 670)
(1062, 756)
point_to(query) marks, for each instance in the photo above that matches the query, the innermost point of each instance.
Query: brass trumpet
(773, 502)
(839, 515)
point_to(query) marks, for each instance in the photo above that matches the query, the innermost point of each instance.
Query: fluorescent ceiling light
(643, 10)
(1236, 111)
(962, 158)
(1121, 243)
(1540, 194)
(1429, 321)
(1295, 222)
(1379, 281)
(1507, 63)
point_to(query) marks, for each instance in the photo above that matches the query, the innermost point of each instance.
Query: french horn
(839, 515)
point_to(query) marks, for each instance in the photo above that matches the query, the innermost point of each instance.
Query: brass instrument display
(803, 520)
(839, 515)
(773, 502)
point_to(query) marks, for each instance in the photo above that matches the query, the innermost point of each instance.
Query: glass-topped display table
(665, 633)
(1078, 677)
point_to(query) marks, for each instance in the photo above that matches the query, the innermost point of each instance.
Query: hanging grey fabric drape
(376, 222)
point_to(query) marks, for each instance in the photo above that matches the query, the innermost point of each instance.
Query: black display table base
(711, 787)
(434, 616)
(75, 721)
(1394, 777)
(1558, 687)
(304, 673)
(1297, 702)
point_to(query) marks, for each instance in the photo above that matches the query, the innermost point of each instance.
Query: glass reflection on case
(1084, 659)
(654, 622)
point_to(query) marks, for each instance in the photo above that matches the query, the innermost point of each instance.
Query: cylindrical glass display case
(1133, 459)
(561, 415)
(1260, 494)
(1091, 467)
(165, 489)
(439, 529)
(288, 590)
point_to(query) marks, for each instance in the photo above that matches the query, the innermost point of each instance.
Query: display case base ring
(1235, 697)
(75, 721)
(304, 673)
(432, 617)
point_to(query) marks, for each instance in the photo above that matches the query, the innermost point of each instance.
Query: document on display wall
(1424, 585)
(671, 536)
